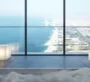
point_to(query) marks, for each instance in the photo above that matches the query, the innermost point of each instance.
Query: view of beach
(77, 39)
(45, 26)
(48, 38)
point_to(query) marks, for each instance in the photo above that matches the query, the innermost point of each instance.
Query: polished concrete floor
(45, 62)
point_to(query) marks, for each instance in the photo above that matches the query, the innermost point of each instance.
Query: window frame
(64, 36)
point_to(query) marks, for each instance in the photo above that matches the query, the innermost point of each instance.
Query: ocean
(12, 31)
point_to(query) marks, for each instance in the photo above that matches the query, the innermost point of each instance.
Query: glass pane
(78, 23)
(13, 36)
(45, 29)
(45, 12)
(12, 24)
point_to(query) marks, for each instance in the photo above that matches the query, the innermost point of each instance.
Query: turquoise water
(37, 37)
(11, 31)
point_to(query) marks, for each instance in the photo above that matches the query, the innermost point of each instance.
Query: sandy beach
(54, 40)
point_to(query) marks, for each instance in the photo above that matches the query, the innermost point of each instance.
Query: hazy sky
(77, 11)
(35, 7)
(11, 7)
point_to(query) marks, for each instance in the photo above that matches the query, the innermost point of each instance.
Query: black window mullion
(25, 28)
(64, 19)
(64, 30)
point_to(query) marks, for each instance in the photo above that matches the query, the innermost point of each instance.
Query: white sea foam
(80, 75)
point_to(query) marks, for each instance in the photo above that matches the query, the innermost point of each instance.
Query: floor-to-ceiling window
(45, 26)
(12, 24)
(45, 30)
(77, 26)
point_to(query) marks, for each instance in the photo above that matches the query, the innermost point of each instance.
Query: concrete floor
(45, 62)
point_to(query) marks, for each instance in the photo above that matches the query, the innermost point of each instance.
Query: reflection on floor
(45, 62)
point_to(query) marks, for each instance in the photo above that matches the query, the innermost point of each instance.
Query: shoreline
(53, 40)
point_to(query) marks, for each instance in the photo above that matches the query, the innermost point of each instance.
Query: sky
(77, 11)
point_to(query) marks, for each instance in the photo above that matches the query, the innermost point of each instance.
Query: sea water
(12, 31)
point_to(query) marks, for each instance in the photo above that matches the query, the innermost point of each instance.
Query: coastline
(52, 42)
